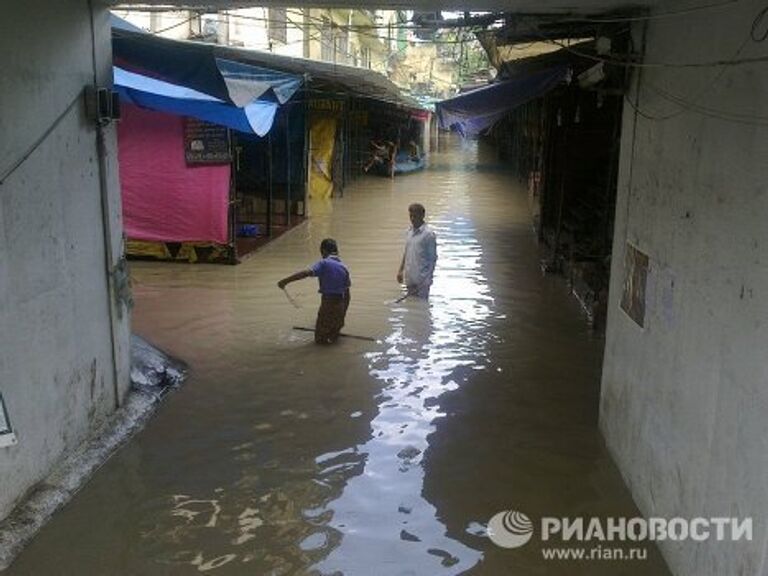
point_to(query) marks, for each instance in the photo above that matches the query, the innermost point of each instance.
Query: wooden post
(269, 193)
(288, 165)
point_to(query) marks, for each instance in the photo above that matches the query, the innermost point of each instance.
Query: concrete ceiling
(514, 6)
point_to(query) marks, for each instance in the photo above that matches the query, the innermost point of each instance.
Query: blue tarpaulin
(197, 66)
(255, 117)
(474, 112)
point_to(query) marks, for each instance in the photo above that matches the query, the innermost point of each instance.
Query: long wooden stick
(291, 300)
(403, 297)
(366, 338)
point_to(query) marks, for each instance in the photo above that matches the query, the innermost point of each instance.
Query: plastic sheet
(476, 111)
(152, 370)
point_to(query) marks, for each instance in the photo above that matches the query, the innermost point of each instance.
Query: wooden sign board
(206, 143)
(327, 104)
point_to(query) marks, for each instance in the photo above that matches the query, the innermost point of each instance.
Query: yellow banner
(322, 134)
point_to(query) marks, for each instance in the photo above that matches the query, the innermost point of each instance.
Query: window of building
(342, 46)
(277, 25)
(326, 41)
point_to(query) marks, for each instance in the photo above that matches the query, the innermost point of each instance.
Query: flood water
(382, 458)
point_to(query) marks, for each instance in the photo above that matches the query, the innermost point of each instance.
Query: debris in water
(408, 453)
(152, 370)
(408, 537)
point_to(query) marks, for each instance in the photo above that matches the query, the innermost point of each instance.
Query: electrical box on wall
(7, 436)
(102, 105)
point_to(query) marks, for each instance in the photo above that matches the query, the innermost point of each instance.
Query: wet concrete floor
(280, 457)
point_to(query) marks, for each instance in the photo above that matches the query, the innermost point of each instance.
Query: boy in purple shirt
(333, 277)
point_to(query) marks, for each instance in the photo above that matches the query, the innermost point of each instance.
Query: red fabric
(164, 199)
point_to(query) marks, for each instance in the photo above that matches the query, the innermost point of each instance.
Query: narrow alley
(281, 457)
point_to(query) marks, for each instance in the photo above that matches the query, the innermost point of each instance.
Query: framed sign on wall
(206, 143)
(635, 280)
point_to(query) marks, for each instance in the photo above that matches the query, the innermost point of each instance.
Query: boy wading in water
(334, 281)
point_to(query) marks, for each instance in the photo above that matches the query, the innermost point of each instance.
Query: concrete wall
(684, 405)
(59, 371)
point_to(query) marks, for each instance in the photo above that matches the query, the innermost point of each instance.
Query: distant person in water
(334, 280)
(382, 154)
(420, 256)
(414, 152)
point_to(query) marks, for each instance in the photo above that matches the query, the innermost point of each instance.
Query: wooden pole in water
(366, 338)
(288, 165)
(269, 191)
(401, 298)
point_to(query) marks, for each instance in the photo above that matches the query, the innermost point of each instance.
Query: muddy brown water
(387, 458)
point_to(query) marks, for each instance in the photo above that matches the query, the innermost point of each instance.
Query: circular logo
(510, 529)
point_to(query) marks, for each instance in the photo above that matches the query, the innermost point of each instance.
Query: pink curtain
(163, 198)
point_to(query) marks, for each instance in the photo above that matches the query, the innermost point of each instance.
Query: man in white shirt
(418, 264)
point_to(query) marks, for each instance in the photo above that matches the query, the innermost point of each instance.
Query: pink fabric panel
(164, 199)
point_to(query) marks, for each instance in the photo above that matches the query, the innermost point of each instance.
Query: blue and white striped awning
(254, 116)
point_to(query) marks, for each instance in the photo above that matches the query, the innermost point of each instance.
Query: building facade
(360, 38)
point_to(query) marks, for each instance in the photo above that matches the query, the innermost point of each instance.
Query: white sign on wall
(7, 437)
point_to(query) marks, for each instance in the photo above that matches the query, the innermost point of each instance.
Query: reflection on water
(280, 457)
(385, 520)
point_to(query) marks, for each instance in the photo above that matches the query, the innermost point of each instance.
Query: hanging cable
(754, 33)
(726, 115)
(701, 94)
(656, 15)
(172, 26)
(694, 105)
(626, 63)
(36, 144)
